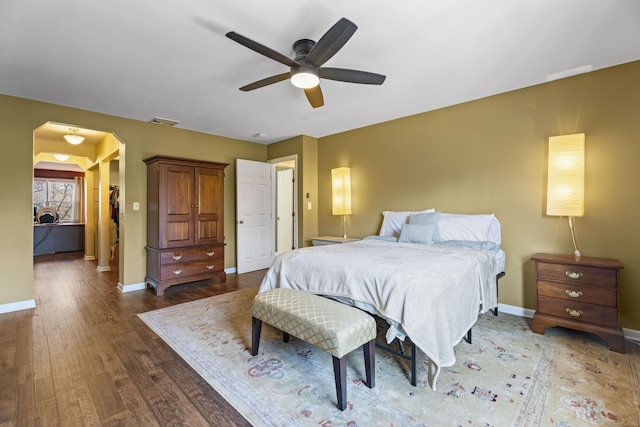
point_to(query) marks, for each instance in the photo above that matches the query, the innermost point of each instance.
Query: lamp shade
(565, 185)
(341, 191)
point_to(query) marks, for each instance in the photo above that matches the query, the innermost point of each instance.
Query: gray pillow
(417, 233)
(427, 218)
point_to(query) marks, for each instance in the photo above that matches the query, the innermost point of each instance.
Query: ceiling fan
(306, 68)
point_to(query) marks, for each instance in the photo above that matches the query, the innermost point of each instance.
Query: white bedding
(433, 292)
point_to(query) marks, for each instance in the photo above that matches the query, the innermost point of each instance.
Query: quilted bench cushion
(329, 325)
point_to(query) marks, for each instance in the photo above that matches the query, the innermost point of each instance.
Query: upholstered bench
(329, 325)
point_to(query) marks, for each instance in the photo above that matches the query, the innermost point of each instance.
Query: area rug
(508, 376)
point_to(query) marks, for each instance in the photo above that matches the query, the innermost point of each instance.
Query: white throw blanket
(433, 292)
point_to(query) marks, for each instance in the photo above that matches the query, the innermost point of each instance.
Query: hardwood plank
(83, 357)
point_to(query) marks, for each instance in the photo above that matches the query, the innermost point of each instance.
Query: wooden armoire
(185, 221)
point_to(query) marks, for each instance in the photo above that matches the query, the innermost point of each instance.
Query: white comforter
(433, 292)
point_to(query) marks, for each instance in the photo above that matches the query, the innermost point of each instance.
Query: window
(56, 193)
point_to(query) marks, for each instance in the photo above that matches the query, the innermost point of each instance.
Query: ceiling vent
(164, 122)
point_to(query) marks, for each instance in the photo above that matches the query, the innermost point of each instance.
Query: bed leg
(498, 277)
(469, 336)
(414, 365)
(285, 336)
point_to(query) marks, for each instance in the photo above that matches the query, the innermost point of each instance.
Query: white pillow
(392, 222)
(482, 228)
(417, 233)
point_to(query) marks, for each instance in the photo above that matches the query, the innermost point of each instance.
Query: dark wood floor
(83, 357)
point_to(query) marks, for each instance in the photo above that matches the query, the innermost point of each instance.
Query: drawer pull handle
(176, 272)
(177, 257)
(574, 313)
(210, 253)
(210, 267)
(573, 294)
(573, 275)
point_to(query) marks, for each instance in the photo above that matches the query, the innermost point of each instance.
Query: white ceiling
(156, 58)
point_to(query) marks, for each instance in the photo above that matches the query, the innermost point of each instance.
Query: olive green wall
(141, 140)
(489, 156)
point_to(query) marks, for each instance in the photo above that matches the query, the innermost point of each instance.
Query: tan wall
(483, 156)
(489, 155)
(141, 140)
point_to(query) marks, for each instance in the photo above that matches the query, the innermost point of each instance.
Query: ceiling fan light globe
(305, 79)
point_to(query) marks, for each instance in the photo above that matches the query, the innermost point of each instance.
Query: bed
(428, 274)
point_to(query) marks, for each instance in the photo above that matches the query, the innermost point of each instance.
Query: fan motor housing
(302, 48)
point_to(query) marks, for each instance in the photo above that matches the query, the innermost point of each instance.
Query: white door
(255, 228)
(285, 210)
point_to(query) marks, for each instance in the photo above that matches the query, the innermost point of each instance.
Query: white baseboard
(630, 334)
(231, 270)
(132, 287)
(102, 269)
(516, 311)
(17, 306)
(89, 257)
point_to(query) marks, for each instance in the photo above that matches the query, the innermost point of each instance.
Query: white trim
(630, 334)
(17, 306)
(231, 270)
(89, 257)
(102, 269)
(132, 287)
(516, 311)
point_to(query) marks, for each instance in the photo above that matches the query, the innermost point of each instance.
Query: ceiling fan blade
(331, 42)
(352, 76)
(266, 82)
(262, 49)
(314, 95)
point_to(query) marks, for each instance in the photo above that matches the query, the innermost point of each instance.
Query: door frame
(288, 159)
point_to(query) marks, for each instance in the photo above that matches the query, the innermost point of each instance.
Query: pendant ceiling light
(73, 137)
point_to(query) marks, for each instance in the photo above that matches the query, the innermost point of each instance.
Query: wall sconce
(565, 181)
(341, 194)
(73, 137)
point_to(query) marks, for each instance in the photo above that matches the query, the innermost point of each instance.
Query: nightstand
(579, 293)
(331, 240)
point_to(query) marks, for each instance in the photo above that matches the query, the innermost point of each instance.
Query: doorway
(96, 157)
(266, 211)
(284, 209)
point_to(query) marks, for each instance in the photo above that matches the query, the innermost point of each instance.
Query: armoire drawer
(186, 269)
(203, 253)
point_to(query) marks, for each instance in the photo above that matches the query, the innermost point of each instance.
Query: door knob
(241, 222)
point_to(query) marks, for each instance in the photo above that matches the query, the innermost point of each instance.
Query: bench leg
(256, 327)
(285, 336)
(370, 362)
(340, 374)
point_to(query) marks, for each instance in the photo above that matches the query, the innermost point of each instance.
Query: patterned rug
(508, 376)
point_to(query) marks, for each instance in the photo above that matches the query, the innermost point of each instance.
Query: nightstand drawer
(605, 296)
(577, 274)
(578, 311)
